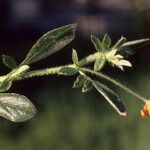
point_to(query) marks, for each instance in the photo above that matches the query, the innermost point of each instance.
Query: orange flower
(145, 112)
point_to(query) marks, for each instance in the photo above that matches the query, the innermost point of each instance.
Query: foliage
(18, 108)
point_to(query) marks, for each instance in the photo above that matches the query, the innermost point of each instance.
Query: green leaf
(135, 42)
(99, 63)
(111, 97)
(18, 71)
(67, 71)
(15, 107)
(106, 43)
(84, 82)
(87, 86)
(120, 42)
(75, 57)
(79, 81)
(50, 43)
(97, 43)
(126, 50)
(5, 85)
(9, 61)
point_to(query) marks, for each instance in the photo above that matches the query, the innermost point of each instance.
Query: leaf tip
(74, 26)
(124, 114)
(92, 36)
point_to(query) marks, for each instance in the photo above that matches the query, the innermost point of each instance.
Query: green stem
(89, 59)
(55, 70)
(40, 72)
(98, 74)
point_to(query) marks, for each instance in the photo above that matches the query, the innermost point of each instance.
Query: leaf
(106, 42)
(97, 43)
(111, 97)
(50, 43)
(87, 86)
(135, 42)
(18, 71)
(68, 71)
(120, 42)
(15, 107)
(99, 63)
(84, 82)
(75, 57)
(9, 61)
(79, 81)
(5, 85)
(126, 50)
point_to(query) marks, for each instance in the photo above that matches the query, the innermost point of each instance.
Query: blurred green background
(66, 118)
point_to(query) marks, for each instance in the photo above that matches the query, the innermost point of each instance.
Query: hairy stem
(98, 74)
(55, 70)
(85, 61)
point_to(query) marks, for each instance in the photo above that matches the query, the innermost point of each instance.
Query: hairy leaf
(97, 43)
(15, 107)
(126, 50)
(99, 63)
(9, 61)
(20, 70)
(87, 86)
(68, 71)
(120, 42)
(5, 85)
(75, 57)
(79, 81)
(135, 42)
(50, 43)
(106, 42)
(111, 97)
